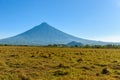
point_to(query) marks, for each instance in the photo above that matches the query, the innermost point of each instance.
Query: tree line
(75, 46)
(86, 46)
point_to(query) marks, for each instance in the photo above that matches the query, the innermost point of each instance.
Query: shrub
(60, 73)
(105, 71)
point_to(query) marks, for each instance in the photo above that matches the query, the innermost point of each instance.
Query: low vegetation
(53, 63)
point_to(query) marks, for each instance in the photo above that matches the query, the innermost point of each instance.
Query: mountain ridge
(44, 34)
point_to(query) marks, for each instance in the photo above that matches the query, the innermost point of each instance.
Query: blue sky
(89, 19)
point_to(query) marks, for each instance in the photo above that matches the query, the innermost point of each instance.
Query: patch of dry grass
(44, 63)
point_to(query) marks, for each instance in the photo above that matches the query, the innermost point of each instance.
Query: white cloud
(108, 38)
(2, 36)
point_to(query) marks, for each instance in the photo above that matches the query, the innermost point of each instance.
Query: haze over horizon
(88, 19)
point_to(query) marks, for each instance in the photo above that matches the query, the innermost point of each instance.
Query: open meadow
(50, 63)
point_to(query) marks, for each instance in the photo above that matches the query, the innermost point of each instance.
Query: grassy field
(44, 63)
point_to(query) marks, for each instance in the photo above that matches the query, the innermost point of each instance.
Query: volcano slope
(44, 34)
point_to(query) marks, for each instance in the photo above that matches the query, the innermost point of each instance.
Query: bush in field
(105, 71)
(60, 73)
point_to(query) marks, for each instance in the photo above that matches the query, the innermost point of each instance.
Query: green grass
(45, 63)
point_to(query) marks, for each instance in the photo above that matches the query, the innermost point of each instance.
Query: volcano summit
(44, 34)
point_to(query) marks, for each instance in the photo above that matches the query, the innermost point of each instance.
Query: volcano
(44, 34)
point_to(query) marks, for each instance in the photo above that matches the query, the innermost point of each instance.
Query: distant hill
(45, 34)
(74, 43)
